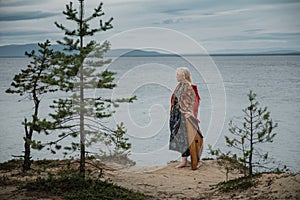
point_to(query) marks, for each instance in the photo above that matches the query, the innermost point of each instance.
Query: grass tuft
(242, 183)
(11, 164)
(70, 185)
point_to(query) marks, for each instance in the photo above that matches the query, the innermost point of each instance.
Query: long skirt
(185, 136)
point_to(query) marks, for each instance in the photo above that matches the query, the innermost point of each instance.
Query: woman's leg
(184, 159)
(183, 162)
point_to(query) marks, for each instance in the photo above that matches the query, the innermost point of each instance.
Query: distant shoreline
(17, 51)
(193, 55)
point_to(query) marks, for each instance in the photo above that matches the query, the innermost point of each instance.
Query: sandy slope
(167, 182)
(171, 183)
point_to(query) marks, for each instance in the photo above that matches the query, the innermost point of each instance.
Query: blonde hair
(184, 74)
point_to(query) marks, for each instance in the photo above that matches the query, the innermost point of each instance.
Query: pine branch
(97, 13)
(107, 25)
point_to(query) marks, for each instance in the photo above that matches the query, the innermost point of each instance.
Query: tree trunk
(251, 139)
(82, 134)
(27, 157)
(28, 133)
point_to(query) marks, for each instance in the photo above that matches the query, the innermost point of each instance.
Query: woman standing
(185, 137)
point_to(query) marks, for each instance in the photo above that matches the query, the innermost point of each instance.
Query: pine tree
(77, 72)
(34, 83)
(257, 129)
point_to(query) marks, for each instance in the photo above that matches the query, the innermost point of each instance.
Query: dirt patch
(169, 182)
(163, 182)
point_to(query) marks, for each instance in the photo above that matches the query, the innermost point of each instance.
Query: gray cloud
(172, 21)
(254, 30)
(26, 15)
(5, 3)
(175, 11)
(285, 34)
(23, 33)
(260, 36)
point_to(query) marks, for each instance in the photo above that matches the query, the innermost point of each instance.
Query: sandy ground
(167, 182)
(170, 183)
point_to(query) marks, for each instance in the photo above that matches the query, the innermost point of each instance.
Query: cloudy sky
(217, 25)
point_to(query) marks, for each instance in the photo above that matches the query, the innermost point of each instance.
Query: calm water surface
(275, 80)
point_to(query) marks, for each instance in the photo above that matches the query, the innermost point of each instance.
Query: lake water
(223, 83)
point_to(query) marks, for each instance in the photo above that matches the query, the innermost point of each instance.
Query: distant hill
(16, 50)
(19, 51)
(264, 53)
(134, 53)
